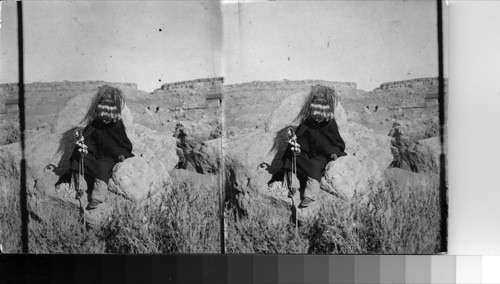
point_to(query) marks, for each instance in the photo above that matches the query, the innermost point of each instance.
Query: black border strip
(22, 126)
(441, 97)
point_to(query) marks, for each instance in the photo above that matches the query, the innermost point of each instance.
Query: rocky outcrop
(288, 84)
(206, 157)
(288, 110)
(420, 128)
(254, 159)
(146, 174)
(420, 156)
(136, 179)
(428, 81)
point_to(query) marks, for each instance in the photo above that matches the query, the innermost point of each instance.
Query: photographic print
(309, 127)
(120, 98)
(333, 128)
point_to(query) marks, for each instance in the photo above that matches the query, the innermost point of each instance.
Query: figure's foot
(93, 204)
(291, 192)
(305, 202)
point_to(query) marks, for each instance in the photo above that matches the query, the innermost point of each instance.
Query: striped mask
(319, 109)
(107, 112)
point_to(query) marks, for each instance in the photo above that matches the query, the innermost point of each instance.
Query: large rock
(253, 159)
(288, 110)
(76, 109)
(420, 156)
(368, 156)
(206, 157)
(420, 128)
(136, 179)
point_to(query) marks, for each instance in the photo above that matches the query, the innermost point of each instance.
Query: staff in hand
(82, 148)
(292, 140)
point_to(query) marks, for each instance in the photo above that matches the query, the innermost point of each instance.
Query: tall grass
(401, 220)
(387, 219)
(265, 232)
(10, 221)
(184, 220)
(62, 231)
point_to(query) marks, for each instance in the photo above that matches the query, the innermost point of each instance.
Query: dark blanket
(317, 140)
(105, 143)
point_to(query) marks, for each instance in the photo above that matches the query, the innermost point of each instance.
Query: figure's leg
(90, 186)
(311, 189)
(100, 190)
(294, 183)
(303, 183)
(98, 195)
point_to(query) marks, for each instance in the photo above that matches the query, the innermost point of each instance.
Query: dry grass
(63, 232)
(387, 219)
(391, 220)
(184, 221)
(265, 232)
(10, 221)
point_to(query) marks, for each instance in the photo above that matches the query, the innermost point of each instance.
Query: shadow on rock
(64, 150)
(280, 143)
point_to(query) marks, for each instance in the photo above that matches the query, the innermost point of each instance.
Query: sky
(151, 43)
(367, 42)
(120, 41)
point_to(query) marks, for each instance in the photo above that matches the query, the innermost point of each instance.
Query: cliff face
(43, 101)
(248, 105)
(429, 82)
(288, 84)
(188, 94)
(204, 83)
(13, 88)
(42, 89)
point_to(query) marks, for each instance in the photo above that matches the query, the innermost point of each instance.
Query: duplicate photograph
(120, 98)
(333, 128)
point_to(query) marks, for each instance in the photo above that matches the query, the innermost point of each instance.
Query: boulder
(290, 107)
(423, 156)
(76, 109)
(419, 128)
(368, 156)
(253, 163)
(136, 179)
(198, 130)
(420, 156)
(205, 157)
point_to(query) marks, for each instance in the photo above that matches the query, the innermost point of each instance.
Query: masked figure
(318, 139)
(105, 143)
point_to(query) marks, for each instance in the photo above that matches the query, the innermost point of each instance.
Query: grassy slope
(394, 220)
(184, 222)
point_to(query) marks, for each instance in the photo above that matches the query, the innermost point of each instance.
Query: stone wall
(189, 94)
(12, 89)
(287, 84)
(423, 82)
(207, 83)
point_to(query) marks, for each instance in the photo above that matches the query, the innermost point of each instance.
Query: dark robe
(105, 143)
(317, 140)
